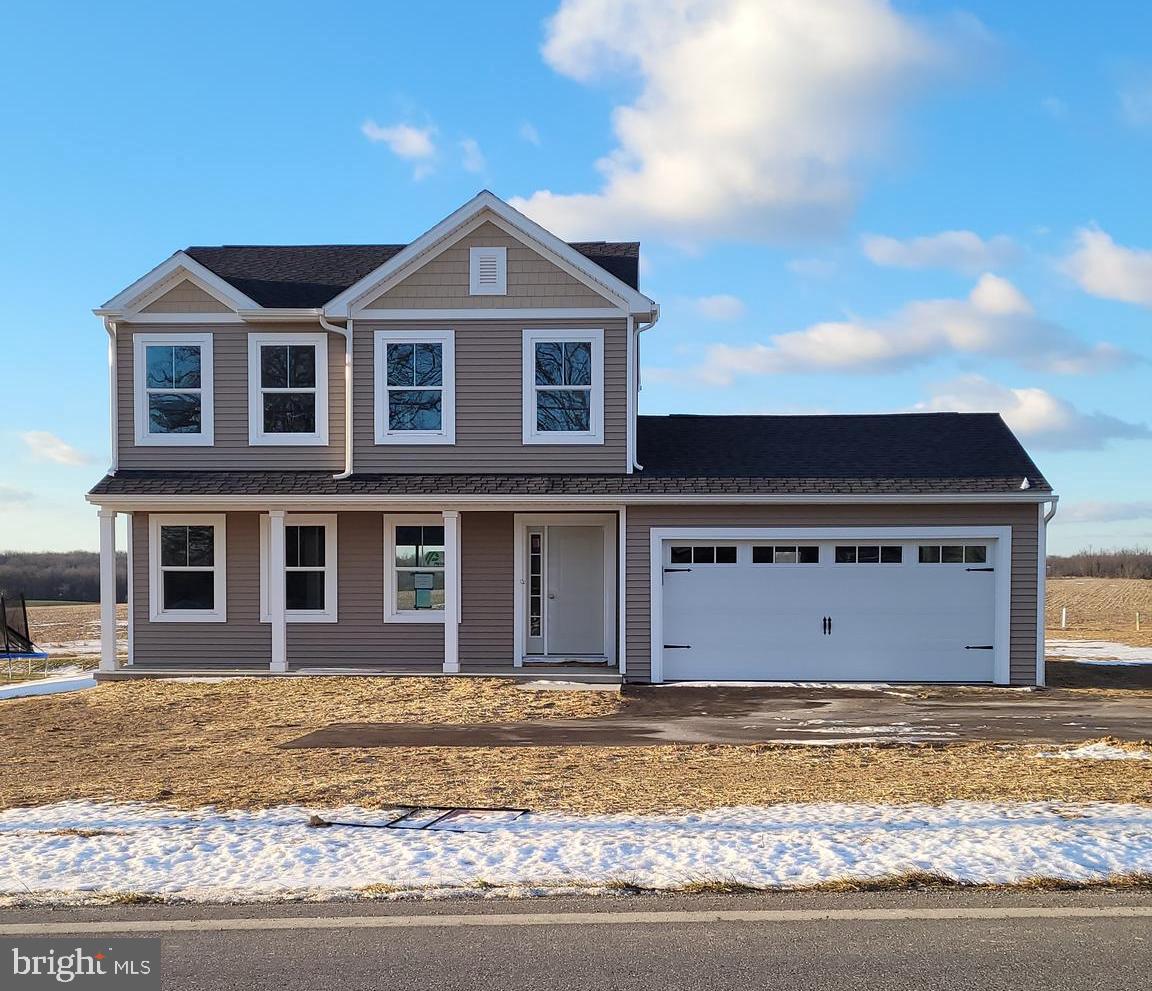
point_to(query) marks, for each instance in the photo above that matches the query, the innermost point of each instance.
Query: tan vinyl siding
(230, 366)
(361, 637)
(533, 281)
(1022, 518)
(488, 594)
(186, 297)
(489, 430)
(242, 641)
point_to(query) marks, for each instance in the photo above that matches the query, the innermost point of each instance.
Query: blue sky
(846, 207)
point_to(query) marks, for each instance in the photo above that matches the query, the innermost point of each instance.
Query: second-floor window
(173, 389)
(415, 387)
(563, 387)
(287, 389)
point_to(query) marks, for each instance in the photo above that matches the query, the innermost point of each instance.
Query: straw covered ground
(196, 743)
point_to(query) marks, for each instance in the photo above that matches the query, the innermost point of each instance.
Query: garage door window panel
(953, 554)
(869, 554)
(711, 554)
(786, 554)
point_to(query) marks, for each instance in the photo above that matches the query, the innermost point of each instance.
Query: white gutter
(634, 384)
(113, 420)
(346, 333)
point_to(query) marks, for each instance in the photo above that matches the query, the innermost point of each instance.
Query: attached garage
(803, 604)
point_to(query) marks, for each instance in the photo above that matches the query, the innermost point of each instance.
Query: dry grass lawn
(216, 743)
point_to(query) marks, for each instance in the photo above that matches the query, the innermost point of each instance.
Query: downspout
(634, 385)
(346, 333)
(1042, 585)
(113, 403)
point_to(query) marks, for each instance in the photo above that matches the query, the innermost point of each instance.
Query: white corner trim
(156, 611)
(530, 338)
(380, 341)
(1002, 561)
(256, 435)
(497, 255)
(391, 613)
(144, 438)
(331, 612)
(148, 287)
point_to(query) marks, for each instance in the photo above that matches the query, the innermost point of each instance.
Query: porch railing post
(107, 590)
(451, 592)
(279, 660)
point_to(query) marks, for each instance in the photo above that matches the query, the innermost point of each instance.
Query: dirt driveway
(653, 716)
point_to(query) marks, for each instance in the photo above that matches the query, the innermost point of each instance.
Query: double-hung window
(310, 580)
(415, 387)
(414, 559)
(287, 389)
(172, 376)
(186, 568)
(563, 387)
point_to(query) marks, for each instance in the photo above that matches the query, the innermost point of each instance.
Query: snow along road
(273, 855)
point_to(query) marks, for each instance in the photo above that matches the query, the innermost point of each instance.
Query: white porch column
(107, 590)
(451, 592)
(279, 661)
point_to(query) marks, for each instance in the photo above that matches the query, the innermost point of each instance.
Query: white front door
(574, 590)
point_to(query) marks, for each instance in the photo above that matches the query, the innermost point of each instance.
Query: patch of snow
(1102, 652)
(867, 686)
(1100, 751)
(70, 647)
(208, 855)
(74, 681)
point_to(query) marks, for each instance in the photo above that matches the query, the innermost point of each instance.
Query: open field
(196, 743)
(1100, 609)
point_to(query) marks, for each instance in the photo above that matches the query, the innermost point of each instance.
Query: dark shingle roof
(896, 454)
(310, 275)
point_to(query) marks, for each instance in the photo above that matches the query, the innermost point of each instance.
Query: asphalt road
(875, 942)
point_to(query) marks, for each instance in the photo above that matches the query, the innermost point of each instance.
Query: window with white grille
(488, 271)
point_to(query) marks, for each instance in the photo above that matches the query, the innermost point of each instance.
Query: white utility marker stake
(1063, 617)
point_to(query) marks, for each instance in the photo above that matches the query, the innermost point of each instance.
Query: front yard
(194, 743)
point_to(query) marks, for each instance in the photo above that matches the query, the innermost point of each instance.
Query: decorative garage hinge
(983, 646)
(666, 570)
(677, 646)
(979, 569)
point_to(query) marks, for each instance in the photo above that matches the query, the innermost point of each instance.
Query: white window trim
(595, 435)
(447, 341)
(330, 612)
(156, 612)
(501, 286)
(256, 434)
(391, 613)
(144, 437)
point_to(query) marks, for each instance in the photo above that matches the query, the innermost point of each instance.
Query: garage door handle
(983, 646)
(666, 570)
(677, 646)
(979, 569)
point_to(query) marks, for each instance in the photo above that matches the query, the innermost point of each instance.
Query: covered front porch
(396, 590)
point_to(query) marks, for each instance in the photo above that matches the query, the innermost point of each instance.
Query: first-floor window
(415, 559)
(563, 387)
(186, 574)
(415, 387)
(173, 386)
(310, 582)
(288, 388)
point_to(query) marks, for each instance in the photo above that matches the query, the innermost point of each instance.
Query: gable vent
(488, 271)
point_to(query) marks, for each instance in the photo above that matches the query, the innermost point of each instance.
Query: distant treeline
(1134, 562)
(63, 575)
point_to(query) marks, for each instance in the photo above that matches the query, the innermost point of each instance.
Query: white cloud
(1135, 98)
(1037, 417)
(10, 496)
(529, 133)
(812, 268)
(1104, 268)
(1105, 512)
(45, 446)
(473, 159)
(995, 320)
(720, 307)
(962, 251)
(752, 118)
(413, 144)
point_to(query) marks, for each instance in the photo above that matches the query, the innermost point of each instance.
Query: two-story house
(427, 458)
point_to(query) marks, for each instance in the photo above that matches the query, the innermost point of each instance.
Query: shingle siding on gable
(230, 368)
(533, 281)
(489, 434)
(186, 297)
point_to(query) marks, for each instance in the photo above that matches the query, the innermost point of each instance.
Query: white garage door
(829, 610)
